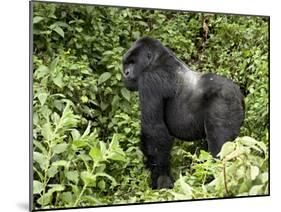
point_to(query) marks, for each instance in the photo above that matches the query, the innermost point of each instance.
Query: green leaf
(227, 148)
(67, 197)
(41, 159)
(40, 146)
(52, 171)
(136, 35)
(104, 77)
(115, 151)
(102, 174)
(262, 146)
(37, 187)
(72, 176)
(126, 94)
(246, 53)
(45, 199)
(88, 178)
(108, 52)
(127, 130)
(245, 186)
(75, 134)
(55, 187)
(60, 163)
(117, 156)
(59, 148)
(179, 196)
(204, 156)
(96, 155)
(103, 148)
(263, 177)
(41, 72)
(47, 131)
(101, 185)
(114, 144)
(79, 143)
(184, 187)
(103, 105)
(256, 190)
(55, 118)
(91, 199)
(248, 141)
(58, 80)
(87, 131)
(118, 77)
(59, 30)
(42, 98)
(37, 19)
(84, 99)
(254, 172)
(236, 153)
(54, 64)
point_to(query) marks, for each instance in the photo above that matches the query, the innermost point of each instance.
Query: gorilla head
(139, 59)
(176, 101)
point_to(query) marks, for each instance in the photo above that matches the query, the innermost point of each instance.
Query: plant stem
(84, 187)
(80, 195)
(224, 178)
(45, 180)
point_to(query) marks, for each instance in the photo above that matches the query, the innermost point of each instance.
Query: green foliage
(86, 124)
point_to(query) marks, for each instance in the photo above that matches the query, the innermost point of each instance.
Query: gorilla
(176, 101)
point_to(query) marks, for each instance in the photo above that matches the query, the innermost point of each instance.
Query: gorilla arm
(156, 141)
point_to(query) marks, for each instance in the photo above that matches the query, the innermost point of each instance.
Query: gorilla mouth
(131, 84)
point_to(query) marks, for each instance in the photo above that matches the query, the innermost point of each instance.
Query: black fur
(176, 101)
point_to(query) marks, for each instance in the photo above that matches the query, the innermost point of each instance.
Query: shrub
(86, 124)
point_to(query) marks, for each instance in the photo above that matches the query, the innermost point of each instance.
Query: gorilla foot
(164, 181)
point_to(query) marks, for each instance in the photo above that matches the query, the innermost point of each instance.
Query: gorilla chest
(184, 119)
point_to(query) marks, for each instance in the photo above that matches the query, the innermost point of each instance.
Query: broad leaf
(60, 163)
(52, 171)
(104, 77)
(254, 172)
(102, 174)
(58, 80)
(72, 176)
(41, 72)
(47, 131)
(88, 178)
(37, 19)
(227, 148)
(59, 30)
(41, 159)
(37, 187)
(59, 148)
(256, 190)
(126, 94)
(42, 98)
(96, 154)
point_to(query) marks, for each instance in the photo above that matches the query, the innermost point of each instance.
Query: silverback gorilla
(176, 101)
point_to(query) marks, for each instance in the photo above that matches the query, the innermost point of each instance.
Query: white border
(15, 105)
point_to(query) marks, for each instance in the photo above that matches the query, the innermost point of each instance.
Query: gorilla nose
(126, 73)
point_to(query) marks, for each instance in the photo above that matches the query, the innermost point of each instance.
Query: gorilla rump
(176, 101)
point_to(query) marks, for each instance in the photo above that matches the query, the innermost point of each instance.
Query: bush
(86, 124)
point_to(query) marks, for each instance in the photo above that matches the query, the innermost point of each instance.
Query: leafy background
(86, 124)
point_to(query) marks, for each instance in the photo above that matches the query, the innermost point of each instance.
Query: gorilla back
(176, 101)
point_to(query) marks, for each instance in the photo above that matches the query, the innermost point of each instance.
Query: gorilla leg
(156, 146)
(223, 120)
(218, 131)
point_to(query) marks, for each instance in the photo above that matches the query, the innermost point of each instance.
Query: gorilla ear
(149, 55)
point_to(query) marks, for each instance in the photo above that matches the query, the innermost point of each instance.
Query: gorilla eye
(131, 61)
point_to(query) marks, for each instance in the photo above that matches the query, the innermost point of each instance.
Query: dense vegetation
(86, 124)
